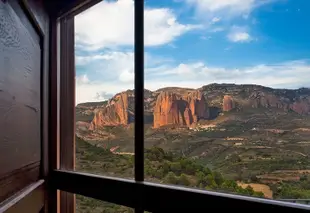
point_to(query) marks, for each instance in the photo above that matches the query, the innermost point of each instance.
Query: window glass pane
(90, 205)
(104, 89)
(228, 98)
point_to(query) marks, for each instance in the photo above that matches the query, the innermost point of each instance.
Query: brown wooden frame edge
(52, 204)
(30, 199)
(67, 106)
(162, 198)
(62, 97)
(149, 196)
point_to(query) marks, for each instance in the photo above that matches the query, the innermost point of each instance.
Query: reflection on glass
(90, 205)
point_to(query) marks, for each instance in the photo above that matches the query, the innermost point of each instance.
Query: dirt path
(123, 153)
(298, 153)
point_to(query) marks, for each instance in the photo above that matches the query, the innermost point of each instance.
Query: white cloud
(127, 76)
(112, 72)
(291, 74)
(89, 92)
(239, 37)
(103, 95)
(239, 34)
(113, 62)
(219, 15)
(82, 79)
(215, 19)
(226, 8)
(111, 24)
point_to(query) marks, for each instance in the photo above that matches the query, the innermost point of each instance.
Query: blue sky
(191, 43)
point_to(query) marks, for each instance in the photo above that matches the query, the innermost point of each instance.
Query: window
(153, 167)
(105, 103)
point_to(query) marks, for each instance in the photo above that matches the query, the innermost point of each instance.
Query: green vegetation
(293, 190)
(160, 166)
(90, 205)
(172, 169)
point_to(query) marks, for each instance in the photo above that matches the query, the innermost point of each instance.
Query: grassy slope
(160, 166)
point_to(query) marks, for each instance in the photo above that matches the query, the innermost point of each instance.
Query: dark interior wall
(23, 94)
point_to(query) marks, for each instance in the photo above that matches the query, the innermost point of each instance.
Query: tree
(159, 173)
(200, 178)
(206, 171)
(210, 181)
(303, 178)
(201, 186)
(171, 178)
(166, 167)
(249, 190)
(218, 178)
(229, 185)
(176, 167)
(183, 180)
(258, 194)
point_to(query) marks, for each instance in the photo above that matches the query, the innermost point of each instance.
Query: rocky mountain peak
(185, 106)
(179, 109)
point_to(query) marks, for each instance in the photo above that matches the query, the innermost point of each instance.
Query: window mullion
(139, 89)
(139, 92)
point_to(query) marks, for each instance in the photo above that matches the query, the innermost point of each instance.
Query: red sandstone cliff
(185, 107)
(179, 109)
(301, 106)
(228, 103)
(116, 112)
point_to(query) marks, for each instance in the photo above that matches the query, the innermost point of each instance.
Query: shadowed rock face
(298, 104)
(268, 100)
(243, 97)
(301, 106)
(185, 110)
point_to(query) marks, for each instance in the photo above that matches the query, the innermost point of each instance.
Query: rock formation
(116, 112)
(228, 103)
(268, 100)
(301, 107)
(179, 109)
(185, 106)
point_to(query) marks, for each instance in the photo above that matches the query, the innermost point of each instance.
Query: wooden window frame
(137, 194)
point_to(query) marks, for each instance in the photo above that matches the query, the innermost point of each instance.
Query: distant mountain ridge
(186, 106)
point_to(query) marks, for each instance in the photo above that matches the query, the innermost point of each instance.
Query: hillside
(179, 113)
(185, 107)
(161, 167)
(248, 133)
